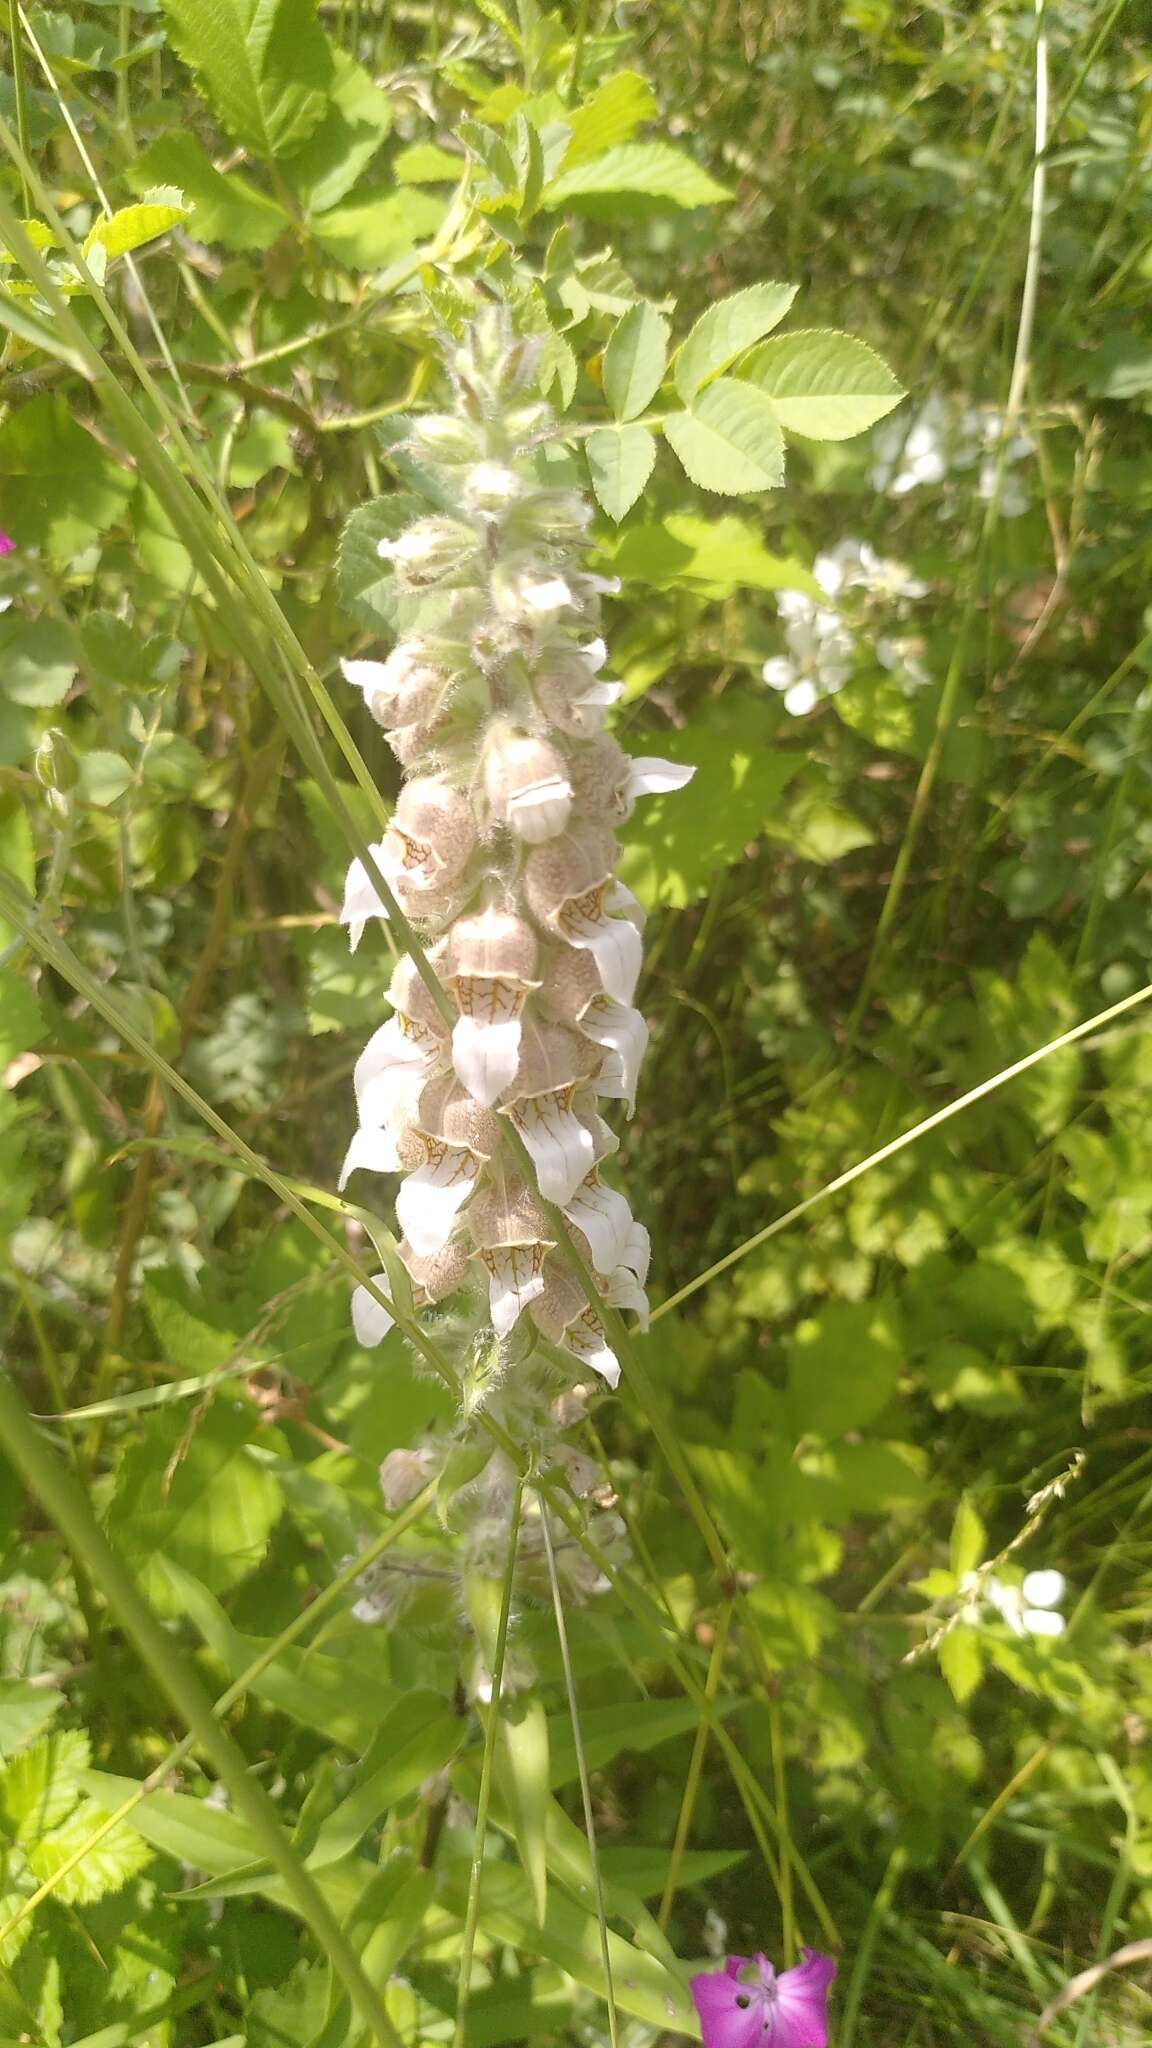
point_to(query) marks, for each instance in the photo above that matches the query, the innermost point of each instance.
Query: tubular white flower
(501, 850)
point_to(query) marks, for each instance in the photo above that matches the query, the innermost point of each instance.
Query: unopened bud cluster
(501, 853)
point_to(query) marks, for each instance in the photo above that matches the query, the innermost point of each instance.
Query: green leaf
(676, 846)
(825, 385)
(228, 208)
(325, 1692)
(417, 1737)
(961, 1661)
(425, 163)
(132, 226)
(106, 1867)
(38, 663)
(843, 1366)
(21, 1025)
(373, 230)
(968, 1538)
(524, 1779)
(731, 440)
(652, 169)
(1121, 367)
(42, 1784)
(196, 1496)
(17, 852)
(611, 115)
(24, 1711)
(609, 1732)
(265, 65)
(324, 171)
(367, 583)
(104, 776)
(570, 1938)
(726, 330)
(620, 463)
(60, 484)
(718, 555)
(634, 360)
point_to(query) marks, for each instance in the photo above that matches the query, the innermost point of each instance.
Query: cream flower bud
(490, 968)
(438, 828)
(599, 773)
(404, 1474)
(495, 945)
(429, 551)
(527, 786)
(561, 1300)
(408, 993)
(408, 686)
(554, 1062)
(444, 437)
(531, 595)
(510, 1233)
(570, 887)
(490, 487)
(445, 1273)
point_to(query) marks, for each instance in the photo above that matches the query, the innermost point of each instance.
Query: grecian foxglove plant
(502, 854)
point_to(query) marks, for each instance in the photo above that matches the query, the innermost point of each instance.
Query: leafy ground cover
(841, 306)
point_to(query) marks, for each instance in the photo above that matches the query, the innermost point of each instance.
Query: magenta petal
(801, 2014)
(723, 2022)
(7, 544)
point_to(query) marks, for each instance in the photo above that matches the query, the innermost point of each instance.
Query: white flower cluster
(501, 852)
(820, 632)
(1030, 1608)
(940, 442)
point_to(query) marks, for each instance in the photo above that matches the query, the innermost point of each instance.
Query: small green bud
(55, 763)
(442, 437)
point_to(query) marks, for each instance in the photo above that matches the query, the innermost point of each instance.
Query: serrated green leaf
(265, 65)
(634, 360)
(229, 209)
(132, 226)
(42, 1783)
(620, 463)
(824, 385)
(653, 169)
(367, 583)
(726, 330)
(105, 1867)
(609, 116)
(731, 440)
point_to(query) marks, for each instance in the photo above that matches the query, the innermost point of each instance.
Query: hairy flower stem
(585, 1782)
(499, 1648)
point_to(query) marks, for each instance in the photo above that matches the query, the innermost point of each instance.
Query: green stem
(487, 1761)
(69, 1508)
(695, 1766)
(582, 1768)
(20, 89)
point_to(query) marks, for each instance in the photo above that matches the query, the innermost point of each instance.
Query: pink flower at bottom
(7, 544)
(746, 2005)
